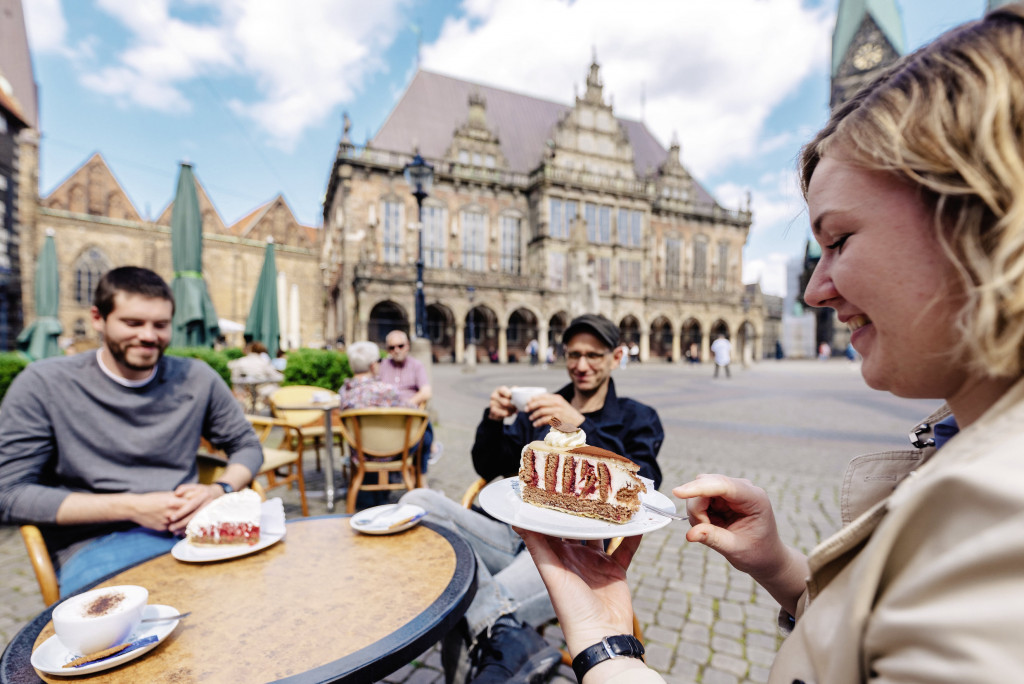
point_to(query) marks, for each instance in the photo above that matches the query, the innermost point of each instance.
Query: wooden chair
(381, 441)
(311, 421)
(467, 502)
(42, 565)
(287, 454)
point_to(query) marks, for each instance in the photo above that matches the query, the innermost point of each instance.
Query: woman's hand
(587, 586)
(735, 518)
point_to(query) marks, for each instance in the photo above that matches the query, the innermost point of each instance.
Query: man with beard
(99, 449)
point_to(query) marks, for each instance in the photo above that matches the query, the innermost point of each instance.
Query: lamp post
(420, 177)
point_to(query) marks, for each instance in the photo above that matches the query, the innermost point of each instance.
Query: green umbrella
(263, 323)
(39, 340)
(195, 321)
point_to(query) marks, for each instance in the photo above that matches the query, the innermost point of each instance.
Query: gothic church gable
(93, 189)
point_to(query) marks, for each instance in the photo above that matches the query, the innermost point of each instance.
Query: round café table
(325, 604)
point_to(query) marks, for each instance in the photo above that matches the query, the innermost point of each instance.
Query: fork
(655, 509)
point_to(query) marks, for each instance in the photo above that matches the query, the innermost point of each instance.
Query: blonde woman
(915, 190)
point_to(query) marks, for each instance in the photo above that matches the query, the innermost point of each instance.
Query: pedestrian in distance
(915, 191)
(722, 350)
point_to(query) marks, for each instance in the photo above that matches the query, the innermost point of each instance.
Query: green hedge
(233, 353)
(319, 367)
(217, 360)
(11, 363)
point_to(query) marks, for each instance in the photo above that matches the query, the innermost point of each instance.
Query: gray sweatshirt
(67, 427)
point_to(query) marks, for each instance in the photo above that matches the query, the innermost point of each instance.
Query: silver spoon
(179, 616)
(655, 509)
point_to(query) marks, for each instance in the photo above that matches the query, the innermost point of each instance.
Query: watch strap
(621, 646)
(225, 486)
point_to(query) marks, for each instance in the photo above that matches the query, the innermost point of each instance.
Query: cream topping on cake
(237, 507)
(565, 440)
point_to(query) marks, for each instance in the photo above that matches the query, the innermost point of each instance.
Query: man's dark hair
(131, 280)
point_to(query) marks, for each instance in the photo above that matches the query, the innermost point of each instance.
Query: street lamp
(420, 177)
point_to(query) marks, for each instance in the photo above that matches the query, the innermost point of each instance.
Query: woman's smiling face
(884, 272)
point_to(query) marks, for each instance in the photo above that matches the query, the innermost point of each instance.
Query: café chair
(467, 502)
(383, 441)
(42, 565)
(310, 420)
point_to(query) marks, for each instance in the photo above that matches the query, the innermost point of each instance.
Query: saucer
(379, 519)
(52, 655)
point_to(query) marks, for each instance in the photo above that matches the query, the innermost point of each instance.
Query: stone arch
(719, 327)
(690, 338)
(88, 268)
(77, 199)
(522, 327)
(441, 331)
(629, 329)
(661, 338)
(386, 316)
(746, 341)
(557, 324)
(482, 330)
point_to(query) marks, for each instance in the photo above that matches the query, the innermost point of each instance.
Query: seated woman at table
(364, 389)
(915, 190)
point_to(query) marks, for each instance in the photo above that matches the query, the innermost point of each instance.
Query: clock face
(867, 55)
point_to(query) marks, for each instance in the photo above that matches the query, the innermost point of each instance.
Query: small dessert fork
(655, 509)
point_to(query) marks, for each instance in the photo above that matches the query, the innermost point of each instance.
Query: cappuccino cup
(521, 395)
(100, 618)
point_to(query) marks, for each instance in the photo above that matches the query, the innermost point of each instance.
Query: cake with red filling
(230, 519)
(566, 474)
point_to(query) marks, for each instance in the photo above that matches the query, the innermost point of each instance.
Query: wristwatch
(621, 646)
(225, 486)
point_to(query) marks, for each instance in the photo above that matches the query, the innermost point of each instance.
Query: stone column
(677, 351)
(502, 343)
(542, 341)
(645, 344)
(460, 341)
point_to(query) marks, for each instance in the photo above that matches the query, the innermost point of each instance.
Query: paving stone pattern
(789, 426)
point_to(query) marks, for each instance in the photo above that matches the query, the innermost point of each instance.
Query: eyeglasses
(393, 347)
(591, 357)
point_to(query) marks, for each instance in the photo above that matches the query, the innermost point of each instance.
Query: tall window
(629, 276)
(511, 244)
(433, 237)
(474, 241)
(392, 237)
(723, 265)
(556, 271)
(631, 227)
(5, 233)
(89, 267)
(673, 252)
(700, 263)
(599, 223)
(563, 213)
(604, 274)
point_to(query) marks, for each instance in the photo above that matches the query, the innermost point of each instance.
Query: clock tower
(868, 37)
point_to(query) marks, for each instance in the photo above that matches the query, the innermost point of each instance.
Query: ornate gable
(867, 39)
(274, 219)
(589, 138)
(93, 189)
(675, 184)
(474, 143)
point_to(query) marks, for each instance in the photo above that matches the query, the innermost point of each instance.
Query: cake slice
(230, 519)
(566, 474)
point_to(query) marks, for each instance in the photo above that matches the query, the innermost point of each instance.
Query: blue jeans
(110, 553)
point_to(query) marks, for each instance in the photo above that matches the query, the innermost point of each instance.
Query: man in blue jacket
(499, 630)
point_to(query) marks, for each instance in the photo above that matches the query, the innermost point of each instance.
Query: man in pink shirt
(410, 377)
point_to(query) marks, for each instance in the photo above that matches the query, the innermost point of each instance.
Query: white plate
(503, 500)
(51, 656)
(374, 520)
(190, 553)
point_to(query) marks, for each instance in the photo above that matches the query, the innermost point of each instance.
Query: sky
(252, 92)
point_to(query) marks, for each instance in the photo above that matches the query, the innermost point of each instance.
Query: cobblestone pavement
(788, 426)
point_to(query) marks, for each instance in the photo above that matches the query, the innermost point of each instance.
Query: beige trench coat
(925, 582)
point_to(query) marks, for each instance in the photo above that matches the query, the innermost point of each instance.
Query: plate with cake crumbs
(52, 657)
(503, 500)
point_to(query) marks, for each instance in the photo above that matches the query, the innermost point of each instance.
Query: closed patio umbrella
(39, 340)
(195, 321)
(263, 323)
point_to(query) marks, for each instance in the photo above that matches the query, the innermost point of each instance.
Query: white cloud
(302, 59)
(712, 71)
(770, 271)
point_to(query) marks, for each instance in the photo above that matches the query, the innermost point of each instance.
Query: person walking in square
(721, 348)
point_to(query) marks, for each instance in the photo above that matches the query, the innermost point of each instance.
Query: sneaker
(512, 652)
(436, 451)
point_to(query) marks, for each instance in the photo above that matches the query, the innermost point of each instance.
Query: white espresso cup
(100, 618)
(521, 395)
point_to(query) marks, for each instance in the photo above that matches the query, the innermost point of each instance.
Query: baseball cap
(595, 324)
